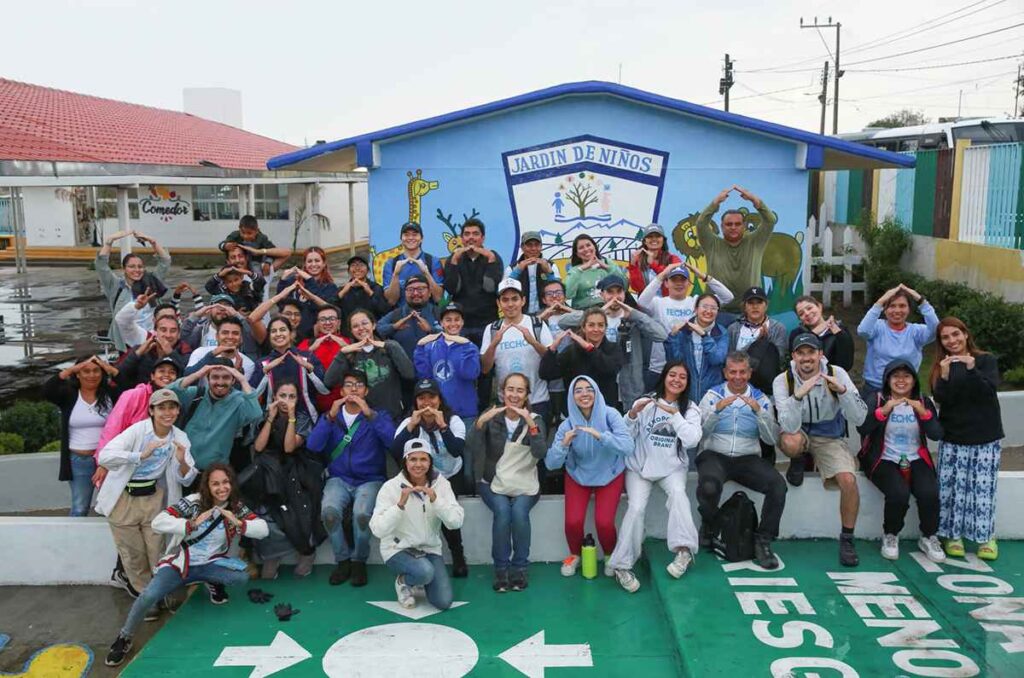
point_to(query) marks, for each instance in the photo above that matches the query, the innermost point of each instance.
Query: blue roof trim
(815, 157)
(364, 153)
(608, 88)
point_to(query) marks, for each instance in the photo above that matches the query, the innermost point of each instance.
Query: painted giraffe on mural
(417, 188)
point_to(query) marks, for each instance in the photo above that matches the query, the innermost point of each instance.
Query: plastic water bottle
(905, 468)
(588, 554)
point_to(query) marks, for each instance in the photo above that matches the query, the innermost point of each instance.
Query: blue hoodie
(455, 367)
(365, 457)
(590, 462)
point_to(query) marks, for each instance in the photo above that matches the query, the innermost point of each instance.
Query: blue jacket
(714, 346)
(365, 457)
(455, 367)
(411, 332)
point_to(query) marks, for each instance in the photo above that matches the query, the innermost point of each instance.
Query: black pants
(750, 470)
(924, 485)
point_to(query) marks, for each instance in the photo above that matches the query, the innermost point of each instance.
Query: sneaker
(989, 550)
(405, 597)
(152, 614)
(763, 554)
(358, 573)
(341, 572)
(131, 590)
(891, 547)
(518, 580)
(954, 548)
(419, 592)
(304, 565)
(118, 579)
(795, 472)
(609, 571)
(931, 547)
(218, 594)
(847, 551)
(500, 581)
(627, 580)
(677, 568)
(570, 565)
(118, 651)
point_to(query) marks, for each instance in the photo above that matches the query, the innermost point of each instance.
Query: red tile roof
(40, 123)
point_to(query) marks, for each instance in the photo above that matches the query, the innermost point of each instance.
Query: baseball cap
(163, 395)
(609, 281)
(680, 270)
(530, 235)
(510, 284)
(411, 226)
(168, 360)
(426, 386)
(416, 445)
(755, 293)
(451, 308)
(357, 257)
(652, 229)
(222, 299)
(806, 339)
(418, 278)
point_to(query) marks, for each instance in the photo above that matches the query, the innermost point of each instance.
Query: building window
(106, 202)
(271, 201)
(215, 202)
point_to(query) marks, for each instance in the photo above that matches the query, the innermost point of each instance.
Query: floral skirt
(967, 490)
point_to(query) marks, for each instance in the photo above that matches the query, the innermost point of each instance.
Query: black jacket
(602, 364)
(136, 369)
(357, 298)
(970, 406)
(64, 394)
(473, 284)
(838, 348)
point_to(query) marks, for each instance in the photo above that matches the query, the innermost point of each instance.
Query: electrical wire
(944, 44)
(934, 66)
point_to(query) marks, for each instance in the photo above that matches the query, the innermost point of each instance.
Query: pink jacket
(131, 408)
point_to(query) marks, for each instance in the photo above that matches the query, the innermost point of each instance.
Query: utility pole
(725, 83)
(839, 72)
(823, 97)
(1016, 97)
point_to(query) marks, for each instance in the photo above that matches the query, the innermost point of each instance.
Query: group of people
(285, 409)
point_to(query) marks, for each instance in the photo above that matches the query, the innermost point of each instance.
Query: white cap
(510, 284)
(416, 445)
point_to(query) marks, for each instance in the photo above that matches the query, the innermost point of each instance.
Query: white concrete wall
(49, 219)
(42, 551)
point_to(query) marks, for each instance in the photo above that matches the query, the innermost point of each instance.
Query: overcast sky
(328, 70)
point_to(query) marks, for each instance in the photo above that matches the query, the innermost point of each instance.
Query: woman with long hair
(702, 343)
(285, 363)
(586, 269)
(410, 511)
(893, 337)
(135, 281)
(201, 528)
(589, 353)
(663, 428)
(85, 393)
(836, 340)
(316, 287)
(651, 259)
(512, 446)
(965, 381)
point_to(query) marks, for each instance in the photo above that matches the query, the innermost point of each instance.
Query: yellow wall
(994, 269)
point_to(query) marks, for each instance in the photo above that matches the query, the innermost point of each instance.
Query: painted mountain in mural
(616, 240)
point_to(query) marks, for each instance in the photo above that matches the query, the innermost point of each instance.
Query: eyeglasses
(329, 319)
(555, 293)
(352, 384)
(707, 307)
(416, 288)
(292, 314)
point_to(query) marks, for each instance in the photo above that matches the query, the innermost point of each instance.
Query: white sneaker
(931, 547)
(627, 580)
(570, 565)
(677, 568)
(609, 571)
(891, 547)
(405, 597)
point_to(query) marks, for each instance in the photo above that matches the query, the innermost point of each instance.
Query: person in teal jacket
(587, 268)
(592, 444)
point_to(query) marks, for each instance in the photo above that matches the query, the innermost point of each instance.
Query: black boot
(795, 472)
(454, 539)
(707, 535)
(763, 555)
(358, 573)
(847, 551)
(341, 572)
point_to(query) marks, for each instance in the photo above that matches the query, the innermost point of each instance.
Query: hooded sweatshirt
(902, 431)
(821, 412)
(590, 462)
(455, 368)
(418, 524)
(662, 440)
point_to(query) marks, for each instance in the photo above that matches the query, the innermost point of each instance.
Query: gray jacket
(118, 293)
(637, 326)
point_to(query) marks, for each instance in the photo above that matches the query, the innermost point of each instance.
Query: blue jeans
(167, 580)
(510, 530)
(427, 571)
(338, 495)
(82, 468)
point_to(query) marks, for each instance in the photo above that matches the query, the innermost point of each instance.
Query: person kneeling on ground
(895, 457)
(202, 527)
(815, 401)
(664, 427)
(410, 540)
(736, 418)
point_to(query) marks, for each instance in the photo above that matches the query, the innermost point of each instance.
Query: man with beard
(229, 334)
(413, 319)
(200, 328)
(164, 342)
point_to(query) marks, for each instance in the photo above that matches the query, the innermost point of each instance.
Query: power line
(928, 68)
(944, 44)
(754, 96)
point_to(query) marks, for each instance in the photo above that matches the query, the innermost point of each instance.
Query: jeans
(751, 470)
(338, 495)
(510, 530)
(427, 571)
(167, 580)
(82, 468)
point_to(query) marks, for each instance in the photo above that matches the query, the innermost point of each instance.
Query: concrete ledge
(43, 551)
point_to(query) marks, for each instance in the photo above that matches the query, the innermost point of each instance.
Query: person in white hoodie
(664, 427)
(202, 528)
(407, 519)
(148, 463)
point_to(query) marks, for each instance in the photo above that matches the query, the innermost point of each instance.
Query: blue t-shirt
(153, 466)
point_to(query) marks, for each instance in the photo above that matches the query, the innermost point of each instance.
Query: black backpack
(734, 529)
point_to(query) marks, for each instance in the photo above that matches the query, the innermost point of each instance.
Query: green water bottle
(588, 555)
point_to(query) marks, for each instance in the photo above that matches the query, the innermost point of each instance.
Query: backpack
(791, 379)
(734, 528)
(538, 325)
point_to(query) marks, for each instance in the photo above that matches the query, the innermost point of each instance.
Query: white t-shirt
(611, 332)
(902, 434)
(748, 335)
(669, 312)
(85, 425)
(248, 366)
(349, 418)
(515, 354)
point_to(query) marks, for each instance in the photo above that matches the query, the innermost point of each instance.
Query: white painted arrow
(421, 611)
(267, 659)
(532, 656)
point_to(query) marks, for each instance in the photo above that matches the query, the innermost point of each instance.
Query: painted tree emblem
(580, 191)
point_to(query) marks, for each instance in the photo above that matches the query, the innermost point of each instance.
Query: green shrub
(1014, 376)
(36, 422)
(11, 443)
(52, 446)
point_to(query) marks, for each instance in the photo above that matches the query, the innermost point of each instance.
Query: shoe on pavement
(891, 547)
(341, 572)
(218, 594)
(931, 547)
(570, 565)
(989, 550)
(152, 614)
(459, 568)
(304, 566)
(118, 651)
(955, 548)
(269, 568)
(627, 580)
(677, 568)
(847, 551)
(763, 554)
(500, 581)
(707, 536)
(358, 573)
(405, 597)
(518, 581)
(795, 472)
(609, 571)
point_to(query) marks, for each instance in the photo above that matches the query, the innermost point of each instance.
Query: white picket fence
(840, 245)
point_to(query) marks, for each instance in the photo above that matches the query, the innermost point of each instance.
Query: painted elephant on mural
(781, 261)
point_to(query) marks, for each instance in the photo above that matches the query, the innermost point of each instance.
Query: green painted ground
(692, 627)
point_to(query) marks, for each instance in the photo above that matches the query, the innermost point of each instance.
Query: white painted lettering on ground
(402, 649)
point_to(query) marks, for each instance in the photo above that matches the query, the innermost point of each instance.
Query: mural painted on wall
(417, 188)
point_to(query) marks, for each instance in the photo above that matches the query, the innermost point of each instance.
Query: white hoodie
(418, 525)
(662, 440)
